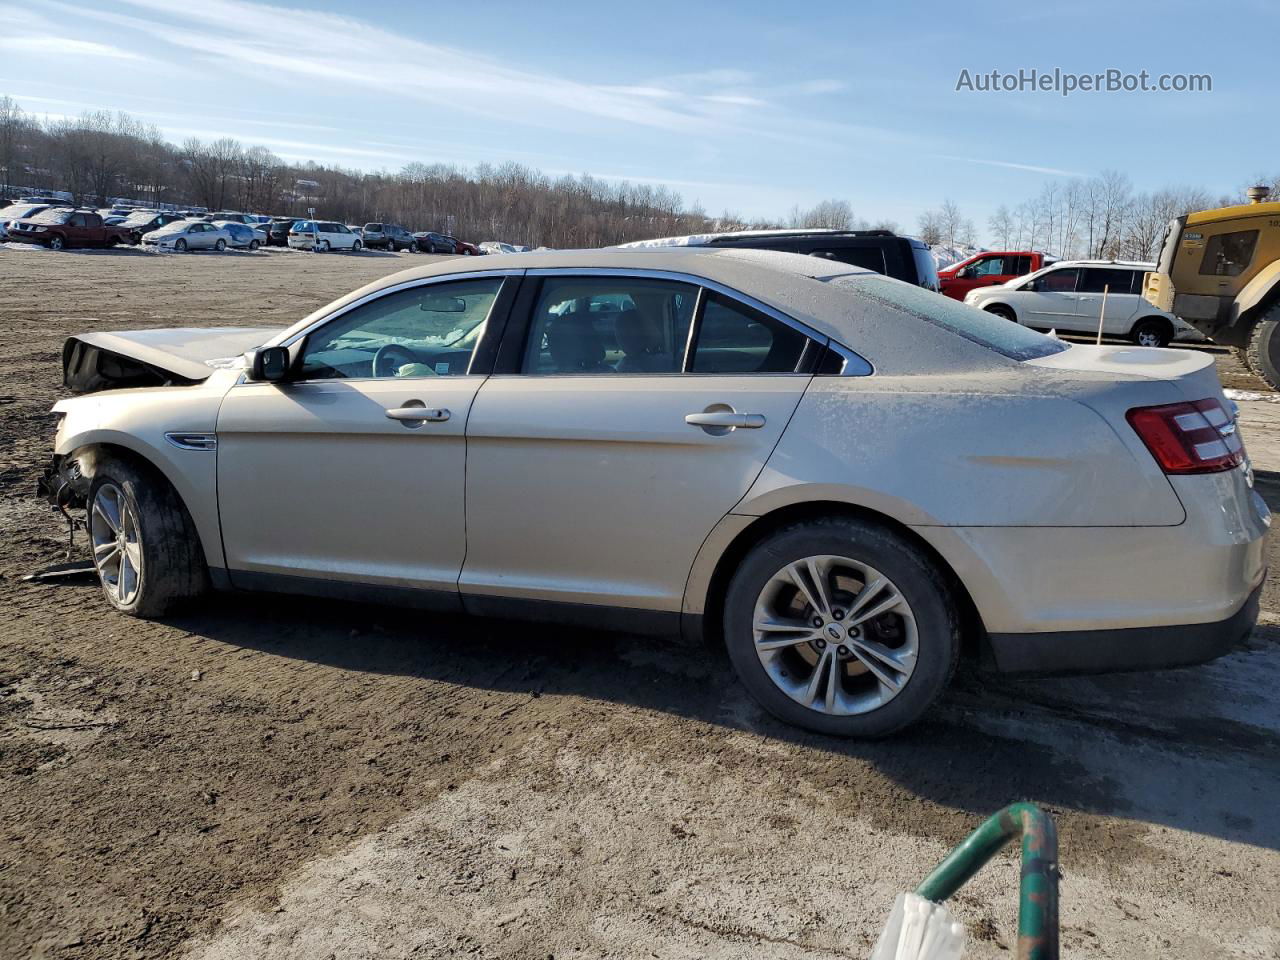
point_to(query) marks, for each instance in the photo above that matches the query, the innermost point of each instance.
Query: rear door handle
(419, 414)
(726, 419)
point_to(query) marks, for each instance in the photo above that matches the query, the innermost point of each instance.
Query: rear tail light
(1185, 438)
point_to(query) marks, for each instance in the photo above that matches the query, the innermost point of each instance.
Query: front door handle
(418, 414)
(722, 421)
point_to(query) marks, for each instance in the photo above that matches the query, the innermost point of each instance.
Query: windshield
(138, 219)
(18, 211)
(1006, 338)
(1169, 246)
(52, 216)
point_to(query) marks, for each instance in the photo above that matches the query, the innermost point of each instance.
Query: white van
(322, 236)
(1067, 296)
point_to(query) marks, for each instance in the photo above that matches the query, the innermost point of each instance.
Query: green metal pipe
(1038, 891)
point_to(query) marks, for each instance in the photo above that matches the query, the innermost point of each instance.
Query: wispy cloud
(331, 48)
(1010, 165)
(65, 46)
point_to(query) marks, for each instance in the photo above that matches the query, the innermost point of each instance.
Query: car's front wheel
(355, 247)
(1002, 312)
(145, 546)
(181, 246)
(842, 627)
(57, 243)
(253, 245)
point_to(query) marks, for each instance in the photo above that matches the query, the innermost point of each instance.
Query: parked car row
(55, 224)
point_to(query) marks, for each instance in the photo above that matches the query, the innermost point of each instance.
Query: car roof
(1130, 264)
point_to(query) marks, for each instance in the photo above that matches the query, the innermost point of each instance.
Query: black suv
(903, 258)
(278, 230)
(388, 236)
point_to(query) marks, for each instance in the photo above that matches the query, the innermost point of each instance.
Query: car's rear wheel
(414, 248)
(842, 627)
(57, 243)
(220, 245)
(145, 546)
(1151, 332)
(1263, 351)
(323, 246)
(1003, 312)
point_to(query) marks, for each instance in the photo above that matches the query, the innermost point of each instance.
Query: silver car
(849, 481)
(184, 235)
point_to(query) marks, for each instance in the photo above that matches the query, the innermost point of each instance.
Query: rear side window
(1228, 254)
(1097, 279)
(868, 257)
(609, 325)
(733, 338)
(1008, 339)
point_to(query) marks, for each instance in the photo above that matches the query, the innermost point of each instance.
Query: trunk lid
(153, 358)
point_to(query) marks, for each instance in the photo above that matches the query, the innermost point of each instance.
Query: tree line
(101, 155)
(1100, 217)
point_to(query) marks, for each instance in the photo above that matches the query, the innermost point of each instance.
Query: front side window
(987, 267)
(1228, 254)
(1057, 281)
(734, 338)
(609, 325)
(425, 331)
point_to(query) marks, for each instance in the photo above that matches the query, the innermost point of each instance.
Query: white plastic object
(919, 929)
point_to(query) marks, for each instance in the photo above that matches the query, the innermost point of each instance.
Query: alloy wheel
(117, 543)
(835, 635)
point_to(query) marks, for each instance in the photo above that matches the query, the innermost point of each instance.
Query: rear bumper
(1108, 651)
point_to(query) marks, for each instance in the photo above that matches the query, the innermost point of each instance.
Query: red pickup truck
(59, 228)
(989, 268)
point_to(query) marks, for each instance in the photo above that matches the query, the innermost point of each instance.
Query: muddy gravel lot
(285, 778)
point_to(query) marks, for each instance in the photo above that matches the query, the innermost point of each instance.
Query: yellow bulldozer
(1219, 270)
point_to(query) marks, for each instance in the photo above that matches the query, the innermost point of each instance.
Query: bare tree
(1002, 227)
(829, 214)
(13, 124)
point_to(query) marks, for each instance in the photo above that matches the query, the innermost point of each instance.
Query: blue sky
(751, 107)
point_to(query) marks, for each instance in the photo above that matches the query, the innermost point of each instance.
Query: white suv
(1067, 297)
(323, 236)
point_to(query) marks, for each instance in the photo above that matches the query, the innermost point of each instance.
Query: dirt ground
(285, 778)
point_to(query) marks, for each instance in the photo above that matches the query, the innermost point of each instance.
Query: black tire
(909, 569)
(57, 243)
(1000, 310)
(221, 245)
(173, 568)
(323, 246)
(355, 247)
(1242, 354)
(1152, 332)
(1263, 351)
(414, 248)
(253, 245)
(180, 246)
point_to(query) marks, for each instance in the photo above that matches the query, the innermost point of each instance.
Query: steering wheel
(390, 358)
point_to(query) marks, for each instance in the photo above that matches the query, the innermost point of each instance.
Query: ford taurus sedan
(849, 481)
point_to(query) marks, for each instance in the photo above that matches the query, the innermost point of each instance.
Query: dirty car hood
(98, 361)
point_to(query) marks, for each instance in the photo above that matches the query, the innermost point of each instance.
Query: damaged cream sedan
(848, 481)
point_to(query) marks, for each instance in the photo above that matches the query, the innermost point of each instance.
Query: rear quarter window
(1006, 338)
